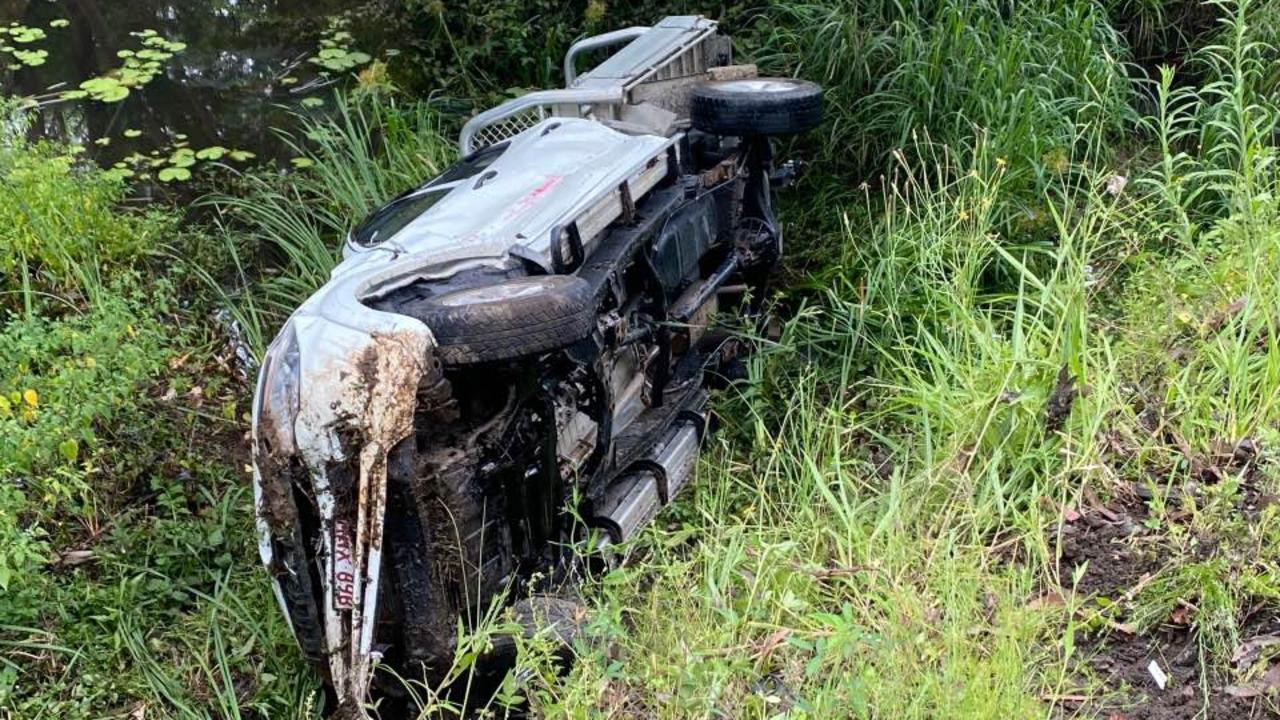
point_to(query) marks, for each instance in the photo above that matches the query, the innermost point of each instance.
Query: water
(224, 89)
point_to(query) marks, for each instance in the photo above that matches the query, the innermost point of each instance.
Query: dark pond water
(228, 86)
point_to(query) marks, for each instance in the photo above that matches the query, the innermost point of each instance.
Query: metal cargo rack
(635, 84)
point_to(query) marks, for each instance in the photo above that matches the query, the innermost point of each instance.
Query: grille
(508, 127)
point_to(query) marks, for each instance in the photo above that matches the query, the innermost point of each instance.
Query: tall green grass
(877, 532)
(64, 228)
(1025, 74)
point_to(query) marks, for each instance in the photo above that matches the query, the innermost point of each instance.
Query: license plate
(344, 569)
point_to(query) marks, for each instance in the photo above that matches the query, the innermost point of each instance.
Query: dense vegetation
(1018, 437)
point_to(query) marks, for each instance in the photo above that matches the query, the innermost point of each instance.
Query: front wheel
(510, 319)
(756, 106)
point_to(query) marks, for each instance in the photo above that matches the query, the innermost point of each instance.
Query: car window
(393, 217)
(472, 164)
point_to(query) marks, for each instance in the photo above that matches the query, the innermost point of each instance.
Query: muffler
(637, 494)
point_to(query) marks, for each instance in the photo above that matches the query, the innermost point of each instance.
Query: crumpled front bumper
(337, 391)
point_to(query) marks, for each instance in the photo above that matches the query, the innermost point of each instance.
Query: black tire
(448, 553)
(756, 106)
(561, 618)
(516, 317)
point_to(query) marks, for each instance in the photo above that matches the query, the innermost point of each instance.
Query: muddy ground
(1123, 552)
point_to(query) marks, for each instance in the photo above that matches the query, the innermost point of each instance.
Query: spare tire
(756, 106)
(509, 319)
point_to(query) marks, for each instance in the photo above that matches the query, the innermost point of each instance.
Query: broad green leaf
(172, 174)
(213, 152)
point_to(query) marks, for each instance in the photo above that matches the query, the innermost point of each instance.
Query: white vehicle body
(341, 369)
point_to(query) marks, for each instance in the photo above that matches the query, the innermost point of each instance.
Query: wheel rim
(501, 292)
(758, 85)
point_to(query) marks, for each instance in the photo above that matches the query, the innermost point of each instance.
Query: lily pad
(213, 152)
(106, 89)
(174, 174)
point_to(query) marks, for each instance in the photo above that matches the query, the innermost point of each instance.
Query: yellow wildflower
(31, 397)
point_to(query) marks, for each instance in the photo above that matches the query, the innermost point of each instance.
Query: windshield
(393, 217)
(472, 164)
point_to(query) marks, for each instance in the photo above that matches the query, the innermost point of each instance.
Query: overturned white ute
(516, 354)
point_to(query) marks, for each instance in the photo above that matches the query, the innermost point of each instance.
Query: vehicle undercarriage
(457, 428)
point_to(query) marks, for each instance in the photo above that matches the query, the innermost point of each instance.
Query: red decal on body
(522, 205)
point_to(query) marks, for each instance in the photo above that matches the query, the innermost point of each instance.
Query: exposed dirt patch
(1122, 556)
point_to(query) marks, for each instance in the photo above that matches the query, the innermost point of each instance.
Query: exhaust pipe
(637, 495)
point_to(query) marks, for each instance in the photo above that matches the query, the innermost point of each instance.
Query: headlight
(278, 396)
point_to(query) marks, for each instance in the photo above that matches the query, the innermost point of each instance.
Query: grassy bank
(1017, 439)
(127, 583)
(1017, 442)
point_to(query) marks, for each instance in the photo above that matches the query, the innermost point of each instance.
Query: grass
(1023, 412)
(891, 539)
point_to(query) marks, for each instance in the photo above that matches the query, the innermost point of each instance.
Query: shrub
(62, 225)
(61, 381)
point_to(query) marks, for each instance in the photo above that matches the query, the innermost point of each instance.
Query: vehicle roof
(547, 175)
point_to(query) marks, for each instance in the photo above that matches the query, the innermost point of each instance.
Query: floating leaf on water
(31, 58)
(182, 157)
(391, 52)
(213, 152)
(174, 174)
(74, 94)
(312, 102)
(59, 23)
(179, 136)
(288, 80)
(115, 95)
(131, 133)
(26, 34)
(241, 155)
(102, 141)
(301, 162)
(106, 89)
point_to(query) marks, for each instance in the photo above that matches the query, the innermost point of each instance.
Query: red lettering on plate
(344, 572)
